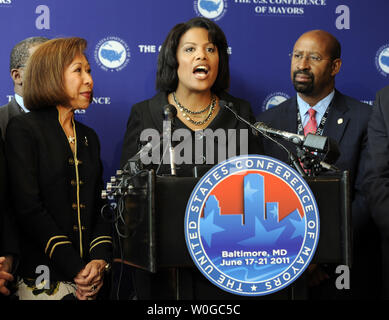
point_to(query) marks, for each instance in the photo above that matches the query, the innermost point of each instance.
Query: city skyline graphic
(253, 225)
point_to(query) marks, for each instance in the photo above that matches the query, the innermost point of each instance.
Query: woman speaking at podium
(193, 76)
(56, 179)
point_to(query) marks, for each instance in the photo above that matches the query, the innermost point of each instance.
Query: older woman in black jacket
(56, 178)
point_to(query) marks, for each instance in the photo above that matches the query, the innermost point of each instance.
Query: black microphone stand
(169, 112)
(292, 157)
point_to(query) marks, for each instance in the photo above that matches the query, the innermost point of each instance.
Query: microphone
(144, 150)
(229, 106)
(297, 139)
(169, 112)
(134, 164)
(312, 142)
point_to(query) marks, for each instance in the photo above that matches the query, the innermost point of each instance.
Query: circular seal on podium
(252, 225)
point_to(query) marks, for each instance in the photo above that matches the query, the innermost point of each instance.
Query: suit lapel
(338, 118)
(14, 109)
(288, 117)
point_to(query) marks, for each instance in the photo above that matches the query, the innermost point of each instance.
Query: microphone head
(261, 126)
(169, 112)
(226, 105)
(222, 103)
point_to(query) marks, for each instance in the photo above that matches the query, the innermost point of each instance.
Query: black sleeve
(3, 188)
(376, 183)
(100, 246)
(360, 209)
(8, 231)
(255, 141)
(132, 135)
(255, 145)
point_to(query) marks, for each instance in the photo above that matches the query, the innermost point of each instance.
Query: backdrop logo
(382, 60)
(211, 9)
(80, 112)
(5, 3)
(252, 225)
(274, 99)
(112, 53)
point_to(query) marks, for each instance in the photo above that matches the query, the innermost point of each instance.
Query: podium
(154, 217)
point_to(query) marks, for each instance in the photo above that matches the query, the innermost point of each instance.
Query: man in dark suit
(8, 238)
(8, 241)
(18, 59)
(315, 61)
(377, 175)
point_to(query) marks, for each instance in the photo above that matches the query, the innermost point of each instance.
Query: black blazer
(8, 111)
(377, 174)
(148, 114)
(8, 231)
(3, 198)
(8, 235)
(56, 195)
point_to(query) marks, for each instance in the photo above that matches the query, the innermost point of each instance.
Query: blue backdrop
(124, 37)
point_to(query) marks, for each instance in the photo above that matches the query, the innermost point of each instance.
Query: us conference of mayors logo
(274, 99)
(252, 225)
(211, 9)
(112, 53)
(382, 60)
(5, 3)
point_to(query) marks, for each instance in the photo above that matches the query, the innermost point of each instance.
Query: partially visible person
(321, 109)
(55, 174)
(8, 237)
(377, 176)
(193, 75)
(18, 59)
(17, 64)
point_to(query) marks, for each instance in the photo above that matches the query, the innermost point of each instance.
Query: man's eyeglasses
(311, 57)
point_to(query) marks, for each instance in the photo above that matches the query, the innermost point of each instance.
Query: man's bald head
(328, 41)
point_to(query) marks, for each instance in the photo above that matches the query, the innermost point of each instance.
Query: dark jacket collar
(338, 117)
(14, 109)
